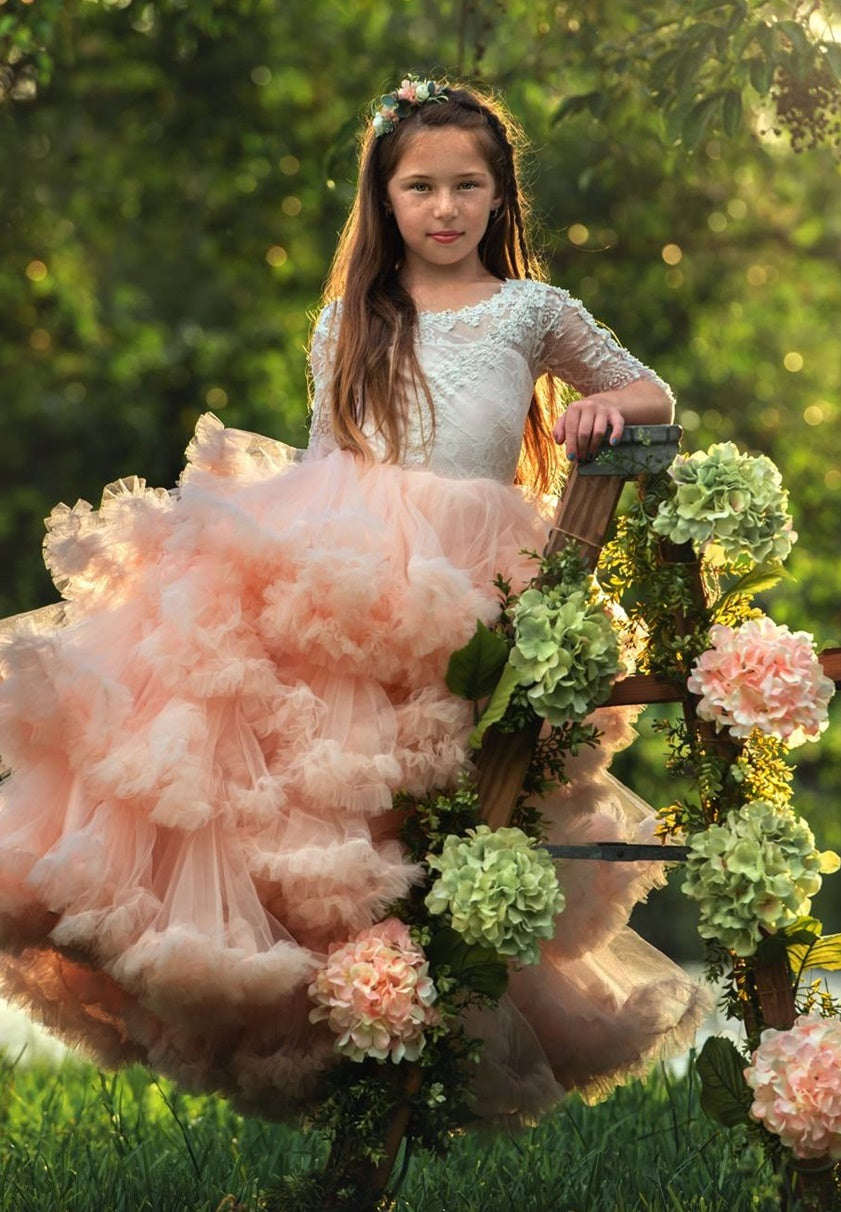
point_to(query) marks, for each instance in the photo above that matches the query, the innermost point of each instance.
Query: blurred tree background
(175, 172)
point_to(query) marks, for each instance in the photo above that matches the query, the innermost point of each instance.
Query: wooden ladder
(584, 516)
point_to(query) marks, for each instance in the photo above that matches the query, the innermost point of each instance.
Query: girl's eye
(470, 185)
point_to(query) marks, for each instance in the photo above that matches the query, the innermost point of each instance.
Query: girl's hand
(584, 425)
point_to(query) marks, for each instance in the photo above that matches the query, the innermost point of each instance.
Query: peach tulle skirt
(204, 749)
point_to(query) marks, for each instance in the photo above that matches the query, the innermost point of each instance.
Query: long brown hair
(374, 355)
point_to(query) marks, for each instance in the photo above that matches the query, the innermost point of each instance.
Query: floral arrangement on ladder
(682, 570)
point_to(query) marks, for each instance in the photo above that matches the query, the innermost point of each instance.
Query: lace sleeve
(576, 348)
(321, 441)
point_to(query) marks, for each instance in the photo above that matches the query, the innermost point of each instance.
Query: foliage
(724, 1095)
(702, 64)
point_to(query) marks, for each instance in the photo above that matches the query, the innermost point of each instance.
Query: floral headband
(413, 92)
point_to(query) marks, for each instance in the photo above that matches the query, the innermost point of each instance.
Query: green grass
(74, 1140)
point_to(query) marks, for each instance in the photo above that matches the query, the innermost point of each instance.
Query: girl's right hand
(585, 425)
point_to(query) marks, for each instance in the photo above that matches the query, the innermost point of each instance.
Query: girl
(205, 747)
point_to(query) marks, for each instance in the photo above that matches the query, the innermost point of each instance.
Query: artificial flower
(499, 890)
(754, 872)
(795, 1076)
(408, 92)
(761, 675)
(565, 652)
(376, 994)
(730, 506)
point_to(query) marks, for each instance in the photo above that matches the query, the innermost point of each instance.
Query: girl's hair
(374, 354)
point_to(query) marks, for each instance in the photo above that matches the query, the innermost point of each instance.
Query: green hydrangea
(728, 504)
(566, 652)
(499, 890)
(754, 872)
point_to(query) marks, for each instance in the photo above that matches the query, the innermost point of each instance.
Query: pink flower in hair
(407, 92)
(376, 994)
(796, 1079)
(761, 675)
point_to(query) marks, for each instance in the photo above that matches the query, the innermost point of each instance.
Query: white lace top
(480, 363)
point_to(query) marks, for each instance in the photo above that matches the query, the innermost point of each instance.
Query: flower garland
(699, 543)
(394, 996)
(685, 564)
(393, 107)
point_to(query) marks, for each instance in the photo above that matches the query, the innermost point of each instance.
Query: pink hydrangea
(761, 675)
(796, 1079)
(376, 994)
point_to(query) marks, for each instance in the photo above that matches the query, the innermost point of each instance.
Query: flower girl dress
(205, 739)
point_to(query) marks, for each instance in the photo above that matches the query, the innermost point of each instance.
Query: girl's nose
(445, 203)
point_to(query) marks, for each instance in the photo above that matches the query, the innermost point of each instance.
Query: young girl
(206, 746)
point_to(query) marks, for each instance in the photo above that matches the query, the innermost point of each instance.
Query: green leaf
(810, 927)
(765, 36)
(732, 111)
(698, 120)
(704, 6)
(474, 670)
(725, 1096)
(480, 968)
(764, 576)
(797, 36)
(823, 953)
(496, 708)
(738, 16)
(832, 55)
(579, 103)
(761, 75)
(662, 68)
(687, 69)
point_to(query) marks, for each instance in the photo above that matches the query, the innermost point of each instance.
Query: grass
(75, 1140)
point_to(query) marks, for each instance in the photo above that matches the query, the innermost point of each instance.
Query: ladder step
(621, 852)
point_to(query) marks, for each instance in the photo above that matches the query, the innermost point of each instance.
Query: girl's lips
(444, 237)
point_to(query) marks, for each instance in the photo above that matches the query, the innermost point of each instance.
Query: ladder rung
(621, 852)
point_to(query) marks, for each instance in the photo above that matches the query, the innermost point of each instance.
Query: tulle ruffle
(205, 746)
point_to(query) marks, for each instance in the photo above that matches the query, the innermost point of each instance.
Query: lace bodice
(481, 363)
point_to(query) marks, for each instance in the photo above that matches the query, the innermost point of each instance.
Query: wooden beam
(641, 688)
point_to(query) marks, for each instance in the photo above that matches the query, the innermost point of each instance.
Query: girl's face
(442, 193)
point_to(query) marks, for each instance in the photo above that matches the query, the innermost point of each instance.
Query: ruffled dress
(205, 739)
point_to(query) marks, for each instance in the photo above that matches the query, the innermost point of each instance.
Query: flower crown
(413, 92)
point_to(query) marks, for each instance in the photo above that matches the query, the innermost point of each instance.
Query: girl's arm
(584, 424)
(321, 440)
(617, 389)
